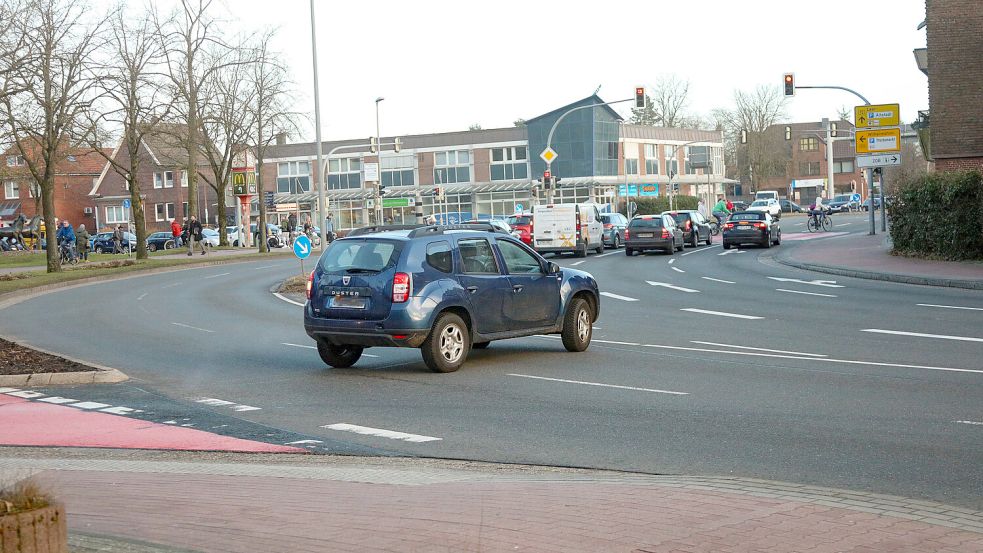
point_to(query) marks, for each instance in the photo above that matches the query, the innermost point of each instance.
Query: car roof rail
(440, 229)
(380, 228)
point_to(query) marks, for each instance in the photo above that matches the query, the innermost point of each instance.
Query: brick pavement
(314, 503)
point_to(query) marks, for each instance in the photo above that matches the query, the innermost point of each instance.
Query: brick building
(955, 83)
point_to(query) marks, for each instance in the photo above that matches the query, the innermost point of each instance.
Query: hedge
(648, 205)
(939, 215)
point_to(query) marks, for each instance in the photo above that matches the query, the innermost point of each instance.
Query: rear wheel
(812, 225)
(767, 242)
(778, 239)
(616, 242)
(581, 250)
(98, 249)
(169, 245)
(339, 357)
(726, 246)
(709, 239)
(600, 248)
(629, 252)
(446, 348)
(695, 238)
(577, 326)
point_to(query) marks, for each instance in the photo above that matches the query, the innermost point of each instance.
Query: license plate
(348, 302)
(645, 235)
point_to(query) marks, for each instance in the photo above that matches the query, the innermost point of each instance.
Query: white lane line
(727, 252)
(264, 267)
(216, 276)
(923, 335)
(721, 313)
(242, 408)
(757, 349)
(602, 385)
(617, 343)
(667, 285)
(719, 280)
(214, 402)
(382, 433)
(288, 300)
(607, 254)
(172, 285)
(315, 347)
(576, 263)
(678, 270)
(617, 297)
(192, 327)
(826, 283)
(949, 306)
(976, 423)
(143, 295)
(57, 400)
(302, 442)
(671, 261)
(806, 293)
(89, 405)
(701, 250)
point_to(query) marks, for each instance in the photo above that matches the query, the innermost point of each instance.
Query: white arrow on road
(667, 285)
(826, 283)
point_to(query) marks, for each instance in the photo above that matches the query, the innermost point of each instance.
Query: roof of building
(410, 142)
(167, 148)
(648, 132)
(597, 100)
(74, 161)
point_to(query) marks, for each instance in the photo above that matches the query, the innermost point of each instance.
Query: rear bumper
(654, 244)
(403, 328)
(551, 249)
(746, 238)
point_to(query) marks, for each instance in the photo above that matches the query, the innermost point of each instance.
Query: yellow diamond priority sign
(548, 155)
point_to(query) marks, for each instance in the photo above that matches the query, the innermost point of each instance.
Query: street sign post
(302, 249)
(518, 209)
(878, 141)
(880, 115)
(549, 155)
(126, 204)
(878, 160)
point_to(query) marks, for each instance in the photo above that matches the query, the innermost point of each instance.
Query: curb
(873, 275)
(102, 374)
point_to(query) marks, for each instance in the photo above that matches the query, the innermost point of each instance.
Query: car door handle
(472, 289)
(516, 288)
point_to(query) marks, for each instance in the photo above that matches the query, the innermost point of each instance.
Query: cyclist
(720, 210)
(66, 240)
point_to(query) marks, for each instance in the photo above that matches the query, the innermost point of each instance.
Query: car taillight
(728, 225)
(608, 225)
(689, 225)
(401, 287)
(578, 226)
(761, 225)
(310, 283)
(626, 234)
(665, 233)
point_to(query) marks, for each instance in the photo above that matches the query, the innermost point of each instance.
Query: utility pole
(830, 191)
(322, 205)
(378, 160)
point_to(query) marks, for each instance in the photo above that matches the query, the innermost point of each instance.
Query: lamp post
(321, 180)
(378, 159)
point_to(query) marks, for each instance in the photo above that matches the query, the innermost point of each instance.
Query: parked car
(752, 227)
(653, 232)
(739, 205)
(160, 241)
(444, 290)
(766, 195)
(789, 206)
(770, 206)
(564, 228)
(614, 229)
(210, 237)
(866, 205)
(522, 222)
(696, 229)
(104, 242)
(844, 202)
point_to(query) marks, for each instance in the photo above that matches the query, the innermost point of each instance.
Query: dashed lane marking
(192, 327)
(701, 250)
(974, 423)
(949, 306)
(671, 261)
(756, 349)
(617, 297)
(288, 300)
(576, 263)
(216, 276)
(315, 347)
(672, 287)
(607, 254)
(721, 313)
(382, 433)
(728, 252)
(806, 293)
(923, 335)
(677, 269)
(172, 285)
(265, 267)
(215, 402)
(719, 280)
(633, 388)
(616, 343)
(68, 402)
(826, 283)
(143, 295)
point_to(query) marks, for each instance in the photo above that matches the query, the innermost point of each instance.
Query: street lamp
(322, 206)
(378, 159)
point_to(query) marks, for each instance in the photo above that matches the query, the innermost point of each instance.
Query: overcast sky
(444, 65)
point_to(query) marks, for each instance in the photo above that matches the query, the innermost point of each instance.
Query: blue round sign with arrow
(302, 247)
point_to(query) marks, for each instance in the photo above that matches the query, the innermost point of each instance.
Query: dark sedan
(104, 242)
(790, 207)
(653, 232)
(160, 241)
(752, 227)
(696, 230)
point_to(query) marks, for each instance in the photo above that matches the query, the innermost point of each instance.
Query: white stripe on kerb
(382, 433)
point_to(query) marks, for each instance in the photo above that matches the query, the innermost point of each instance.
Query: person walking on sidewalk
(82, 242)
(194, 235)
(118, 239)
(176, 233)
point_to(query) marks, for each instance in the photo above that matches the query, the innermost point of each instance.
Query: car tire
(709, 238)
(778, 240)
(152, 247)
(616, 243)
(726, 246)
(695, 235)
(629, 252)
(767, 243)
(98, 249)
(581, 250)
(682, 244)
(577, 326)
(600, 248)
(480, 345)
(447, 346)
(339, 357)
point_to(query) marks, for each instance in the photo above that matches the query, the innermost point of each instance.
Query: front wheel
(446, 348)
(827, 224)
(98, 249)
(577, 326)
(812, 225)
(151, 247)
(339, 357)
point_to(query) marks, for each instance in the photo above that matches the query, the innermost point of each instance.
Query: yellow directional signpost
(880, 115)
(878, 141)
(878, 144)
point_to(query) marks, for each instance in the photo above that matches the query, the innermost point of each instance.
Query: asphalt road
(809, 383)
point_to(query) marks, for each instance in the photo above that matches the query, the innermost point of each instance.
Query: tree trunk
(261, 227)
(50, 226)
(223, 237)
(192, 140)
(139, 219)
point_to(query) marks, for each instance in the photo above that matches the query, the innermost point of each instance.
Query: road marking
(90, 405)
(607, 254)
(382, 433)
(192, 327)
(57, 400)
(264, 267)
(976, 423)
(728, 252)
(143, 295)
(26, 394)
(315, 347)
(678, 270)
(618, 343)
(576, 263)
(602, 385)
(118, 410)
(172, 285)
(720, 313)
(617, 297)
(718, 280)
(700, 250)
(923, 335)
(806, 293)
(215, 402)
(301, 442)
(949, 306)
(826, 283)
(288, 300)
(667, 285)
(216, 276)
(671, 261)
(757, 349)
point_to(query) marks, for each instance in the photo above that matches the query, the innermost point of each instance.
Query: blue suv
(443, 289)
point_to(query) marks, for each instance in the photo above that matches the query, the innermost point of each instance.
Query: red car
(522, 223)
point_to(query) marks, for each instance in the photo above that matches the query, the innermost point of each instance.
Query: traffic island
(24, 366)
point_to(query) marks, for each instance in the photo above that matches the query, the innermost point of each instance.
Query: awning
(9, 209)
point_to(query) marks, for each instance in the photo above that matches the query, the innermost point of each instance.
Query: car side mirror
(552, 268)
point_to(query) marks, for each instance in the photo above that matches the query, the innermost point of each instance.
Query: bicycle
(819, 220)
(67, 253)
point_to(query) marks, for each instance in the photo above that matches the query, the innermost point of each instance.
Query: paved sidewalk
(243, 503)
(864, 256)
(212, 253)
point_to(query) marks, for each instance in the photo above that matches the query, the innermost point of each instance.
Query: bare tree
(54, 89)
(15, 52)
(764, 154)
(666, 104)
(271, 115)
(134, 102)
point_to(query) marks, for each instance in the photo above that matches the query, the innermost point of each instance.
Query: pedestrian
(431, 220)
(65, 237)
(194, 235)
(176, 233)
(702, 208)
(308, 227)
(720, 210)
(329, 228)
(118, 239)
(82, 242)
(730, 207)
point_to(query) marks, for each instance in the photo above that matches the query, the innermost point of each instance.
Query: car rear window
(747, 217)
(680, 218)
(655, 222)
(359, 256)
(515, 220)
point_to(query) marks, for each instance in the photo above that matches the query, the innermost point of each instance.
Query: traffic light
(790, 84)
(373, 145)
(556, 182)
(438, 192)
(675, 187)
(832, 129)
(788, 132)
(640, 97)
(743, 136)
(397, 145)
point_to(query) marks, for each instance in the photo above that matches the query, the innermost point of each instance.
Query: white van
(567, 228)
(766, 195)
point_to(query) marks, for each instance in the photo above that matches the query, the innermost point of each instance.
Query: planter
(39, 531)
